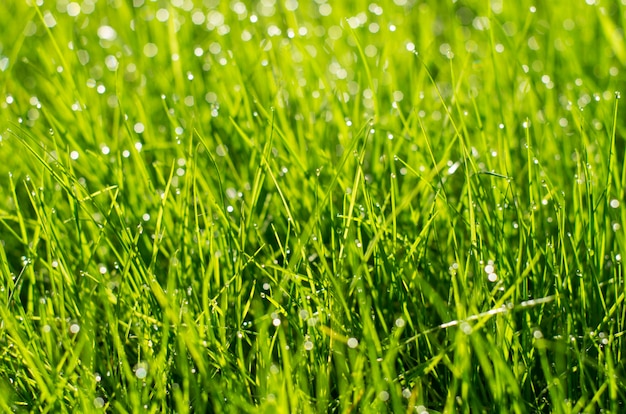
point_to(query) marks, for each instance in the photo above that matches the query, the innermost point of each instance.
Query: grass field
(312, 206)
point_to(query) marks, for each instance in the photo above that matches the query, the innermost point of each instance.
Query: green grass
(402, 206)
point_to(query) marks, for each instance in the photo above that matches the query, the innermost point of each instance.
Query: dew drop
(74, 328)
(466, 328)
(107, 33)
(141, 372)
(98, 402)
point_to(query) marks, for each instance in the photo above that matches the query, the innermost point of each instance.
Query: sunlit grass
(289, 206)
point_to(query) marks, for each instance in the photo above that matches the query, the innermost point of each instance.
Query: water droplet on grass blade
(454, 167)
(49, 19)
(74, 328)
(150, 50)
(141, 370)
(107, 33)
(466, 328)
(4, 63)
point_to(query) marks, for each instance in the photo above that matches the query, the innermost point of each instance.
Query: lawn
(290, 206)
